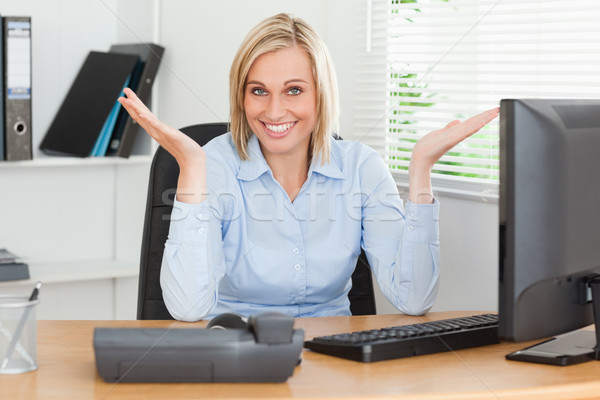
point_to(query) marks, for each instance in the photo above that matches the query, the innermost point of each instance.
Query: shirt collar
(257, 165)
(332, 168)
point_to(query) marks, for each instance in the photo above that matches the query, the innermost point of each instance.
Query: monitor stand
(570, 348)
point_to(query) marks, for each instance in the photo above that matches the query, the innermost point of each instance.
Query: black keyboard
(410, 340)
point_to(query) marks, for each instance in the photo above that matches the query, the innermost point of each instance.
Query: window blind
(424, 63)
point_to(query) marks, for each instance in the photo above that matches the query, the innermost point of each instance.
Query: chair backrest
(161, 191)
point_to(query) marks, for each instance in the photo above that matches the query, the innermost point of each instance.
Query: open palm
(182, 147)
(431, 147)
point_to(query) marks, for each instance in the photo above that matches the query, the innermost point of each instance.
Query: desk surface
(67, 370)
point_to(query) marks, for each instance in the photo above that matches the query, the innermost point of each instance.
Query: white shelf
(43, 162)
(77, 271)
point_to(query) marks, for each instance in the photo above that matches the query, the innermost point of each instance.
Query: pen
(35, 292)
(17, 334)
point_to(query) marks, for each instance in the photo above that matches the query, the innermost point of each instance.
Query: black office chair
(161, 191)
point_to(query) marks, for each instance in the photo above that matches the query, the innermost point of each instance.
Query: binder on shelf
(142, 79)
(16, 41)
(78, 124)
(103, 140)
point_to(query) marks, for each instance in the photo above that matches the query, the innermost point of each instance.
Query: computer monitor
(549, 235)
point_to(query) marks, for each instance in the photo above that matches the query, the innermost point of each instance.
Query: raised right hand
(190, 156)
(182, 147)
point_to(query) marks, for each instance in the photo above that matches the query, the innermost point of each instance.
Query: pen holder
(17, 334)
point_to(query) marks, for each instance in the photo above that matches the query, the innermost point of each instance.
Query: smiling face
(280, 102)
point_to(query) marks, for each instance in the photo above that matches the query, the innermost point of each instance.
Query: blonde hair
(275, 33)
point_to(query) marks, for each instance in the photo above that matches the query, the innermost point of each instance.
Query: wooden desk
(67, 371)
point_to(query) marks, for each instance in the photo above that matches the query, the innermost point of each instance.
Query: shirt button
(201, 230)
(411, 228)
(411, 216)
(296, 251)
(297, 267)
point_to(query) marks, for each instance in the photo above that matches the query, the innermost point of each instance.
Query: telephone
(266, 350)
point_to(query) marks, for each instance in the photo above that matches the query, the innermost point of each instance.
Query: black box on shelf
(14, 271)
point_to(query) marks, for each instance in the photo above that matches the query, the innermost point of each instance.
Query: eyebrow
(284, 83)
(294, 80)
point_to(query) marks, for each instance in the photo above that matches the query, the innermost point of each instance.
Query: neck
(290, 172)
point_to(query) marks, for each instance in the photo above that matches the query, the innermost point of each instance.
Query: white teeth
(279, 128)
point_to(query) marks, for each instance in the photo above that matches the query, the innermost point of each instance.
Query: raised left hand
(435, 144)
(431, 147)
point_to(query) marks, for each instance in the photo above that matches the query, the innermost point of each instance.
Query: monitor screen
(549, 209)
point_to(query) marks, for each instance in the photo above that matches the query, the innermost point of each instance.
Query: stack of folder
(10, 268)
(15, 102)
(90, 121)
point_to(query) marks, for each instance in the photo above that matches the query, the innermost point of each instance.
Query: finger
(453, 123)
(475, 123)
(480, 119)
(160, 131)
(456, 131)
(141, 115)
(132, 99)
(135, 107)
(485, 117)
(129, 93)
(131, 109)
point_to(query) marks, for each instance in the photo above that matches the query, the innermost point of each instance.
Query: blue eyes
(295, 91)
(259, 92)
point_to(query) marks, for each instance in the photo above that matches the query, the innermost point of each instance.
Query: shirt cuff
(189, 222)
(422, 222)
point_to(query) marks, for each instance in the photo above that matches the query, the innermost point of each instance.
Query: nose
(275, 109)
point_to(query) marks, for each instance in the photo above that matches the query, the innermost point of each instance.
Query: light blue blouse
(247, 248)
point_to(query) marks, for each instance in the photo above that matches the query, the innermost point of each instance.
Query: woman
(273, 215)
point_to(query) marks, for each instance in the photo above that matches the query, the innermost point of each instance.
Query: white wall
(469, 247)
(469, 252)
